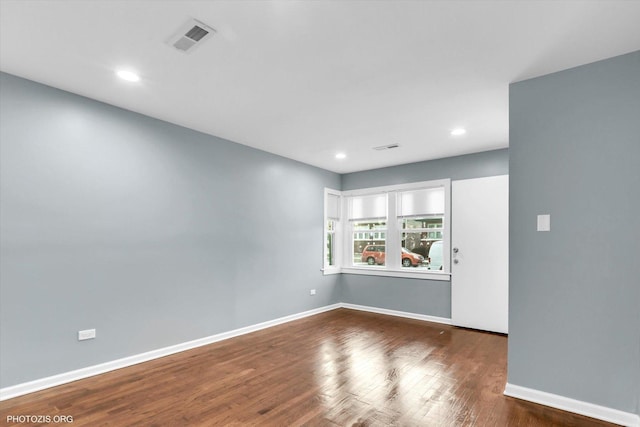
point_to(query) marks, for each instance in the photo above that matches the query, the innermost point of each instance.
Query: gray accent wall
(150, 233)
(477, 165)
(574, 326)
(428, 297)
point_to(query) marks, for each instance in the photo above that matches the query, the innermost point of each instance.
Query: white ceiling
(307, 79)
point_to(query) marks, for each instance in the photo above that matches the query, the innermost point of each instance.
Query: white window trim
(337, 234)
(393, 269)
(371, 271)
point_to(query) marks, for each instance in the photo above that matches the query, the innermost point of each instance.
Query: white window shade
(368, 207)
(428, 201)
(333, 206)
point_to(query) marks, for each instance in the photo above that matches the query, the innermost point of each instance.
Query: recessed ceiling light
(341, 156)
(458, 132)
(127, 75)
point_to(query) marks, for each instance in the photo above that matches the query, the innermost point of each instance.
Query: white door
(480, 253)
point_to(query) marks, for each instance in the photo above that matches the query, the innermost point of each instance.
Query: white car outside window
(436, 255)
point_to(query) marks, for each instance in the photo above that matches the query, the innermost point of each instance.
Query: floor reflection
(340, 368)
(393, 381)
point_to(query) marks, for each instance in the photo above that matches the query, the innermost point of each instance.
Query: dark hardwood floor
(340, 368)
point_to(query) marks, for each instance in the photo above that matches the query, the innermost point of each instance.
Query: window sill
(330, 270)
(397, 273)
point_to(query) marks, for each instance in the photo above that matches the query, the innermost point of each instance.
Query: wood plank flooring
(340, 368)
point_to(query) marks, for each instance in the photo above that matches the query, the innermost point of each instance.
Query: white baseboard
(78, 374)
(405, 314)
(579, 407)
(543, 398)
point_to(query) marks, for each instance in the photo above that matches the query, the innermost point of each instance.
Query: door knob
(455, 261)
(455, 250)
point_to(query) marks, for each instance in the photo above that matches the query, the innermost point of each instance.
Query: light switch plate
(87, 334)
(544, 222)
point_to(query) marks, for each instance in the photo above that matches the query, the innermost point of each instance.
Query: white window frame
(337, 234)
(392, 267)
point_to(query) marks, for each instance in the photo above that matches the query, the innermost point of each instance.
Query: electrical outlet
(87, 334)
(312, 292)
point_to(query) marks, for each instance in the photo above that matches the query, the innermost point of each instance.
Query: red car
(375, 254)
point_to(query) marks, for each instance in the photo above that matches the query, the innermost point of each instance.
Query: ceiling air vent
(190, 35)
(386, 147)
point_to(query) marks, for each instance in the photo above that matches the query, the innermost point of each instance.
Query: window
(421, 216)
(400, 230)
(331, 226)
(330, 242)
(367, 217)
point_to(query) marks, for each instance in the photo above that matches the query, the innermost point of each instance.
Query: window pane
(373, 225)
(414, 251)
(435, 255)
(369, 246)
(430, 250)
(330, 241)
(425, 222)
(416, 244)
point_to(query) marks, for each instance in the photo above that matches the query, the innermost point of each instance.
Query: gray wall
(430, 297)
(488, 163)
(574, 326)
(151, 233)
